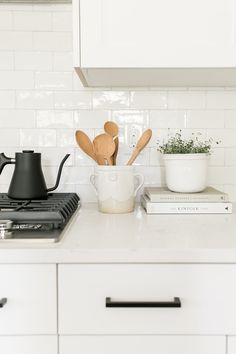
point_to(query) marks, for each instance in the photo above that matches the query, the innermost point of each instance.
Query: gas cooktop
(42, 219)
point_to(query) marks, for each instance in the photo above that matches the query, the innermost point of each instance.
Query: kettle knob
(4, 160)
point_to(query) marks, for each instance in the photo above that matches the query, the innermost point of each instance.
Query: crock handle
(92, 180)
(140, 178)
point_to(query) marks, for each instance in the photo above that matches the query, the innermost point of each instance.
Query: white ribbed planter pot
(186, 173)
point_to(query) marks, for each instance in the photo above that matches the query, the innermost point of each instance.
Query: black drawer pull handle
(175, 303)
(3, 301)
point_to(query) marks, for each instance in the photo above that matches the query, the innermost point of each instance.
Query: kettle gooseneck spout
(58, 174)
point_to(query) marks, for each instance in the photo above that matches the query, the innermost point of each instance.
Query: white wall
(42, 103)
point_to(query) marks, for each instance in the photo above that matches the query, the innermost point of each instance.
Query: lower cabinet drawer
(28, 345)
(142, 345)
(31, 307)
(89, 295)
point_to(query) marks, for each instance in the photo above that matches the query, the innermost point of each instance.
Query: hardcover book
(163, 194)
(185, 207)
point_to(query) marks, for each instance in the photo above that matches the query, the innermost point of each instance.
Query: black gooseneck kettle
(28, 181)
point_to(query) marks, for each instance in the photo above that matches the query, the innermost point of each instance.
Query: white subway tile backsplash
(43, 103)
(206, 119)
(231, 190)
(37, 137)
(82, 159)
(222, 175)
(9, 137)
(34, 99)
(66, 138)
(230, 156)
(7, 99)
(18, 80)
(52, 156)
(148, 100)
(33, 61)
(73, 100)
(62, 21)
(153, 175)
(53, 81)
(221, 100)
(168, 119)
(6, 61)
(230, 119)
(87, 193)
(156, 158)
(55, 119)
(186, 100)
(16, 40)
(110, 99)
(50, 41)
(124, 117)
(62, 61)
(217, 157)
(225, 137)
(91, 119)
(77, 175)
(6, 22)
(32, 21)
(16, 118)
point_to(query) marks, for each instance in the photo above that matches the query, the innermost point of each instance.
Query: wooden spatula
(142, 142)
(85, 144)
(112, 129)
(104, 146)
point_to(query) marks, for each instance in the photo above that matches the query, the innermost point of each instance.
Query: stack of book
(160, 200)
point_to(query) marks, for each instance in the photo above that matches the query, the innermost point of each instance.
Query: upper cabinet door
(157, 33)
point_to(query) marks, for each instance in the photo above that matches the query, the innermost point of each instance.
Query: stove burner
(36, 218)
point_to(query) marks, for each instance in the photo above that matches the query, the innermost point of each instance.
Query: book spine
(187, 208)
(189, 199)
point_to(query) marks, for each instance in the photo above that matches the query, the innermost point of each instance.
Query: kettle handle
(4, 160)
(59, 174)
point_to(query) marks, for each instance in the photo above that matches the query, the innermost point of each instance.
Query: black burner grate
(55, 211)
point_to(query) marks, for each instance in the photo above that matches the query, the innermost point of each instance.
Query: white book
(186, 207)
(163, 194)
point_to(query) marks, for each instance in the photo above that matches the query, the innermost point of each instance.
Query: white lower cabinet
(207, 294)
(31, 294)
(142, 345)
(231, 345)
(28, 345)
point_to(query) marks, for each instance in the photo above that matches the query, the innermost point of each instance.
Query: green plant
(178, 145)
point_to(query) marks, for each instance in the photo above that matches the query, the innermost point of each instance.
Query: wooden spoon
(104, 146)
(112, 129)
(142, 142)
(85, 144)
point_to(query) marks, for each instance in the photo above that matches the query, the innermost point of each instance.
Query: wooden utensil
(104, 146)
(142, 142)
(112, 129)
(85, 144)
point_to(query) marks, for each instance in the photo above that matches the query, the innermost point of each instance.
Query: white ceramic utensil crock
(116, 188)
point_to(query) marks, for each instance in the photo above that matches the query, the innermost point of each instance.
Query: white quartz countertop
(93, 237)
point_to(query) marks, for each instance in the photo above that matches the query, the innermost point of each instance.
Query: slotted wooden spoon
(104, 147)
(85, 144)
(112, 129)
(142, 142)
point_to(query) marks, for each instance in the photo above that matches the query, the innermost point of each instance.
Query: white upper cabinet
(154, 42)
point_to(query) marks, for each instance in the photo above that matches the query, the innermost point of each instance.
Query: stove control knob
(5, 227)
